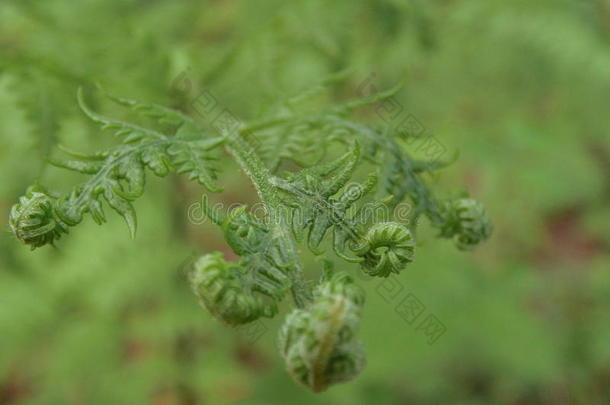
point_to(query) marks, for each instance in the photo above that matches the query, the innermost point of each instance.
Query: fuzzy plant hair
(323, 200)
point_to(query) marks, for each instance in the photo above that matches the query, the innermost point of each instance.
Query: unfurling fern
(318, 343)
(465, 220)
(324, 196)
(33, 219)
(220, 287)
(117, 176)
(264, 265)
(388, 247)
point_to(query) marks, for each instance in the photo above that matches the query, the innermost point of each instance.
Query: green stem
(255, 169)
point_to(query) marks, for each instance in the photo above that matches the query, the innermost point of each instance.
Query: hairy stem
(260, 176)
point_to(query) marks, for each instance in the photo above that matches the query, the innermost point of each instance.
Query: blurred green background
(520, 88)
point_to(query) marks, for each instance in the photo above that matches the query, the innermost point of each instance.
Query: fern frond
(118, 175)
(400, 174)
(304, 143)
(323, 202)
(264, 264)
(130, 133)
(318, 338)
(194, 159)
(312, 193)
(182, 125)
(349, 106)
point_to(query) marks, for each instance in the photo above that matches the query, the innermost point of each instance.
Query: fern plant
(316, 198)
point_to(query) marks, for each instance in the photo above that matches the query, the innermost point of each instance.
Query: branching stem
(257, 172)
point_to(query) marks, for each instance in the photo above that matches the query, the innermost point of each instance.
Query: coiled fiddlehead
(33, 219)
(465, 220)
(318, 343)
(264, 263)
(387, 248)
(220, 288)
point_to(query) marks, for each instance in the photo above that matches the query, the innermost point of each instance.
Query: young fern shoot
(318, 339)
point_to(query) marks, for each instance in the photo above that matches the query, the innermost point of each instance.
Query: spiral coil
(218, 284)
(466, 221)
(318, 343)
(33, 219)
(387, 248)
